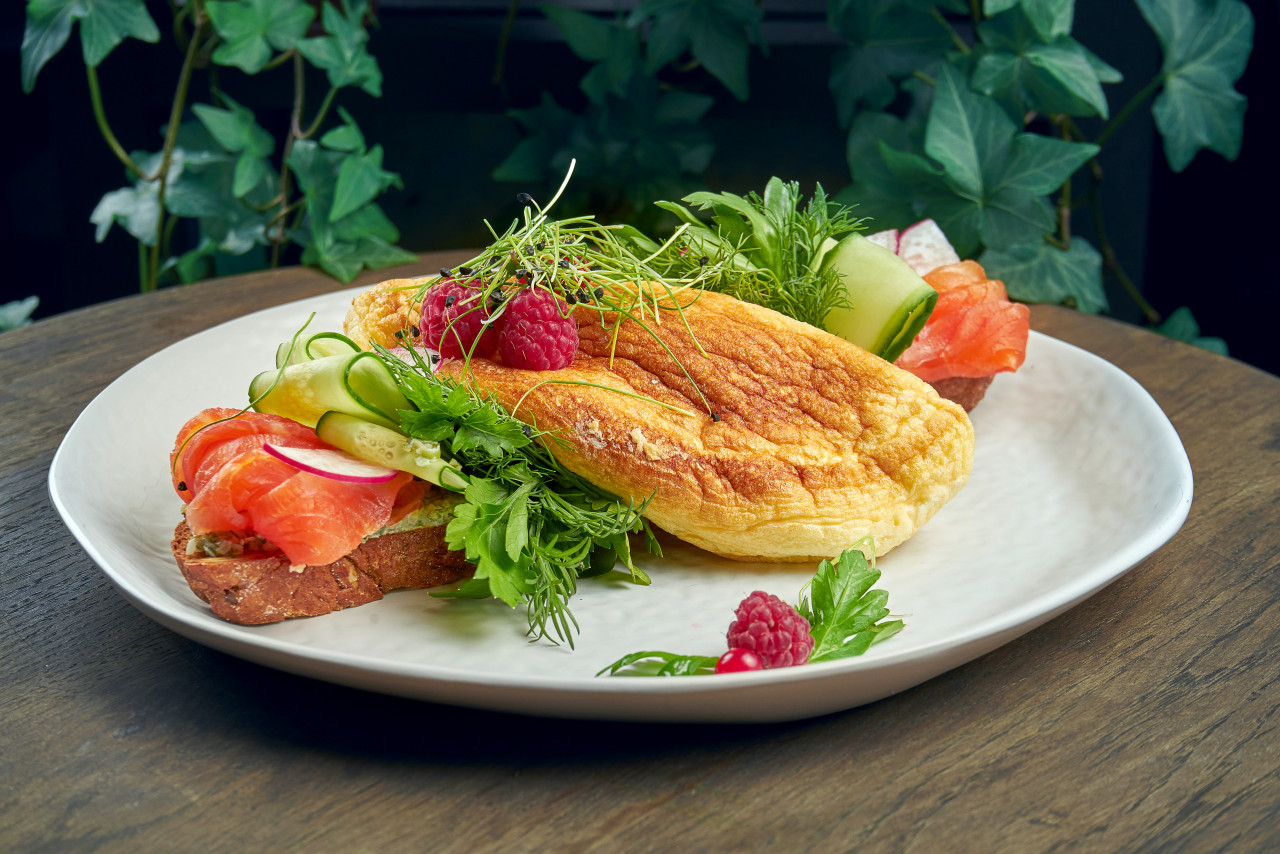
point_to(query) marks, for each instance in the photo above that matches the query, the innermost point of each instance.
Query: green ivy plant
(640, 137)
(981, 132)
(246, 190)
(965, 111)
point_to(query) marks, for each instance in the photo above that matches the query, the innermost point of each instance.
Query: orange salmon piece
(317, 520)
(955, 275)
(974, 341)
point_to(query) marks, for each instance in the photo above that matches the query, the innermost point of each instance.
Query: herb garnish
(764, 250)
(845, 618)
(531, 527)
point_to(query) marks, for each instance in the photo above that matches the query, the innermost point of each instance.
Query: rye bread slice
(262, 589)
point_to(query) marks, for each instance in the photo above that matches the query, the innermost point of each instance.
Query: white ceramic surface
(1078, 476)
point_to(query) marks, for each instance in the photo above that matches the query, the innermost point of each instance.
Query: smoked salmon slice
(974, 331)
(231, 484)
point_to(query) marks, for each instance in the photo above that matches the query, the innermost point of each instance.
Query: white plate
(1078, 476)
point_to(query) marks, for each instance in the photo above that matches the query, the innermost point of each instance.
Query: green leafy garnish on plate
(531, 527)
(846, 616)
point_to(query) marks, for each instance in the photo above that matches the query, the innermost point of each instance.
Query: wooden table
(1144, 719)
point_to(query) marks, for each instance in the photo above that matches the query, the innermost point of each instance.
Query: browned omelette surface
(814, 443)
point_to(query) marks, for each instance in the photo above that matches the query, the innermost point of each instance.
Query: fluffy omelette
(805, 443)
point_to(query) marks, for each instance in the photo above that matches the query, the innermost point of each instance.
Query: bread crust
(966, 391)
(259, 589)
(814, 444)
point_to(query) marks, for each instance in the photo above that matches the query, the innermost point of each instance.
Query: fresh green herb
(845, 615)
(657, 663)
(845, 618)
(531, 527)
(765, 249)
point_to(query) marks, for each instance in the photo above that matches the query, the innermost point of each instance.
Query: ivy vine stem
(1134, 102)
(276, 223)
(961, 44)
(1063, 205)
(500, 60)
(1112, 263)
(152, 278)
(100, 116)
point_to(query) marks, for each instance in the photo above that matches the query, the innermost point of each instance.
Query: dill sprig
(765, 249)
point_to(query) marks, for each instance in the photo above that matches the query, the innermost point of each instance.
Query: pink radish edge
(333, 464)
(925, 248)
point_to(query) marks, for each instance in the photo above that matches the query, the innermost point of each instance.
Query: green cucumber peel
(359, 385)
(886, 302)
(314, 346)
(392, 448)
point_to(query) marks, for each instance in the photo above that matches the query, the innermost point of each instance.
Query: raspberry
(772, 630)
(453, 318)
(739, 660)
(536, 334)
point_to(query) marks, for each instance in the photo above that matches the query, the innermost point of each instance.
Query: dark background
(1199, 238)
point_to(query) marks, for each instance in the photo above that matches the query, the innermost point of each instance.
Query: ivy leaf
(251, 28)
(368, 221)
(1051, 18)
(905, 188)
(136, 208)
(1024, 72)
(17, 313)
(238, 132)
(614, 48)
(235, 129)
(888, 39)
(360, 179)
(342, 53)
(1206, 47)
(103, 25)
(1001, 171)
(652, 136)
(343, 257)
(206, 189)
(346, 136)
(716, 32)
(1039, 272)
(1182, 326)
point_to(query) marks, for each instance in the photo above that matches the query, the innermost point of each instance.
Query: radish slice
(888, 239)
(430, 356)
(925, 248)
(333, 464)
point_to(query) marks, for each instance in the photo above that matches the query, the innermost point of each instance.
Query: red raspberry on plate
(772, 630)
(453, 318)
(537, 333)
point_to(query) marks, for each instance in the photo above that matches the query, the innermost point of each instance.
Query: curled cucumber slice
(314, 346)
(390, 448)
(358, 384)
(888, 302)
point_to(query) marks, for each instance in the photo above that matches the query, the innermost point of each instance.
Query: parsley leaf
(844, 613)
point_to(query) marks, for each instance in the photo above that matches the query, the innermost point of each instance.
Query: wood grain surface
(1143, 720)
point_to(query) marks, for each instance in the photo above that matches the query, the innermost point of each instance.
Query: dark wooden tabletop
(1144, 719)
